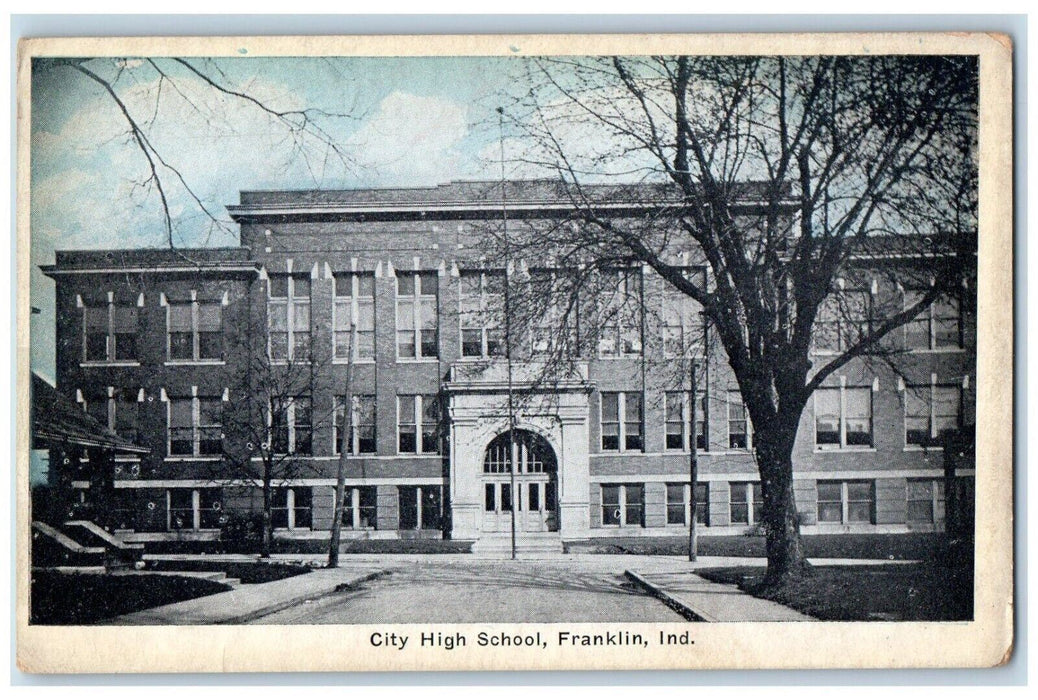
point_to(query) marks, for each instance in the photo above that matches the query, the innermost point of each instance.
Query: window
(360, 508)
(420, 507)
(118, 410)
(181, 427)
(677, 427)
(684, 324)
(418, 416)
(620, 313)
(362, 424)
(291, 428)
(127, 414)
(740, 433)
(845, 501)
(416, 294)
(623, 504)
(746, 503)
(931, 412)
(482, 313)
(110, 332)
(194, 331)
(193, 509)
(554, 331)
(843, 320)
(937, 327)
(291, 508)
(210, 425)
(678, 504)
(843, 418)
(622, 421)
(490, 500)
(98, 407)
(289, 317)
(925, 500)
(196, 426)
(353, 309)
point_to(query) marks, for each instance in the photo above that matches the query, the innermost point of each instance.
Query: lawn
(81, 599)
(246, 572)
(349, 546)
(900, 546)
(895, 592)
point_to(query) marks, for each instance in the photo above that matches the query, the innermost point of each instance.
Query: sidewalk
(698, 599)
(249, 602)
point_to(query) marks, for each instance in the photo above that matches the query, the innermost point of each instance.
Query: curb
(678, 606)
(285, 604)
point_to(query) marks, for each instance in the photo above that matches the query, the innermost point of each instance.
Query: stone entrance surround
(478, 410)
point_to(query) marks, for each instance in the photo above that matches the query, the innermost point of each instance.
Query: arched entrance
(535, 499)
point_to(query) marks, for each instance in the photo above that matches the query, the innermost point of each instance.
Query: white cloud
(412, 139)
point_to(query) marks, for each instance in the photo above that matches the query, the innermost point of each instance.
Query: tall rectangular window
(292, 508)
(632, 424)
(740, 435)
(845, 501)
(620, 313)
(623, 504)
(196, 426)
(360, 510)
(677, 427)
(353, 315)
(678, 504)
(127, 414)
(482, 313)
(110, 332)
(193, 509)
(416, 314)
(181, 427)
(937, 327)
(931, 412)
(210, 425)
(193, 331)
(291, 426)
(843, 417)
(362, 424)
(684, 324)
(418, 420)
(746, 502)
(97, 405)
(554, 330)
(182, 509)
(288, 311)
(420, 507)
(610, 421)
(622, 421)
(925, 499)
(843, 320)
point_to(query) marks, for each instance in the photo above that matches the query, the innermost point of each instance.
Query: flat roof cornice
(220, 268)
(252, 213)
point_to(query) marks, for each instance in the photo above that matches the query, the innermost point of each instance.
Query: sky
(399, 122)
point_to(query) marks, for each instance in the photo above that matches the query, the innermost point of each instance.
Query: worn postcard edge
(986, 641)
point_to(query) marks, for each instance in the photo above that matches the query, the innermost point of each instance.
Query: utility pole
(344, 450)
(693, 464)
(508, 328)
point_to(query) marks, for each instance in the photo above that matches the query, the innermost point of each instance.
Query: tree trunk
(268, 521)
(785, 549)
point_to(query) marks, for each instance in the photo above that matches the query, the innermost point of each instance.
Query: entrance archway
(536, 484)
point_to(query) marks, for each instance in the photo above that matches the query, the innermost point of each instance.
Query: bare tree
(275, 388)
(141, 90)
(783, 178)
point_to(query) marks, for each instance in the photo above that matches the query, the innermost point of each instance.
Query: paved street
(485, 591)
